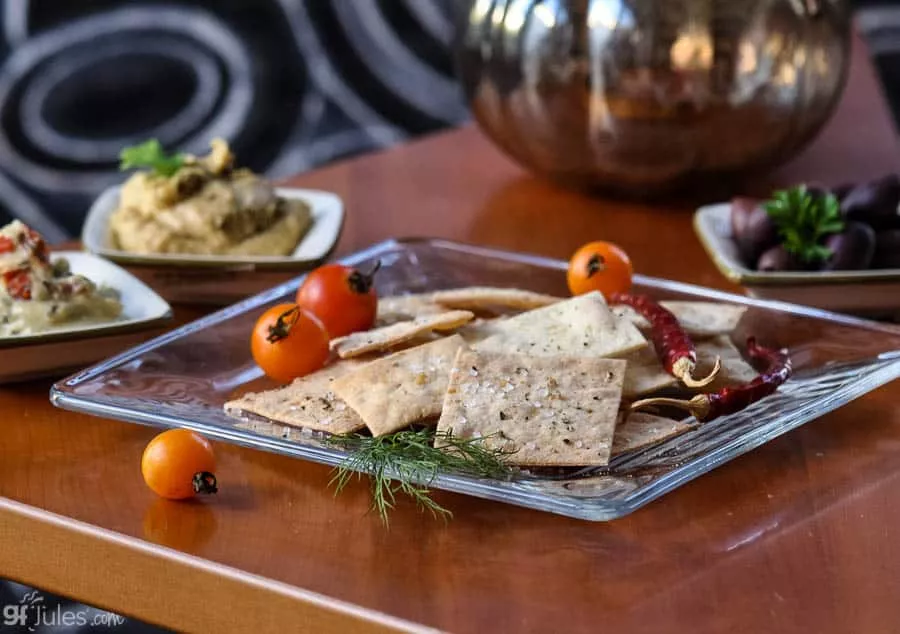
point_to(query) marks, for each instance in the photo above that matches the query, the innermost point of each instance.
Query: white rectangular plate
(212, 279)
(74, 345)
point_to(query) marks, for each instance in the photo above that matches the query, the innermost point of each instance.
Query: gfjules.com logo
(32, 614)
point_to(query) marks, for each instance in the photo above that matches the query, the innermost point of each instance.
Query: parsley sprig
(803, 219)
(150, 154)
(407, 462)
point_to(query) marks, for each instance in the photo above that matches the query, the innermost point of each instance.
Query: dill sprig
(407, 462)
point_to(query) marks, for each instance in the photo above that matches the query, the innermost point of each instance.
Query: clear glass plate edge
(584, 508)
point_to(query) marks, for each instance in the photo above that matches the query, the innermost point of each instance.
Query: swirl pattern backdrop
(293, 84)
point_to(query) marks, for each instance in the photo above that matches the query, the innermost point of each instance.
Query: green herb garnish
(150, 154)
(803, 219)
(407, 462)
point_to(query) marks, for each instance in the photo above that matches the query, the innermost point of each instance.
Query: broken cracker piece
(405, 308)
(308, 402)
(480, 297)
(700, 319)
(735, 370)
(387, 337)
(547, 411)
(479, 329)
(645, 373)
(403, 388)
(637, 430)
(581, 326)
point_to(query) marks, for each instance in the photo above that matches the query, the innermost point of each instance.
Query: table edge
(255, 603)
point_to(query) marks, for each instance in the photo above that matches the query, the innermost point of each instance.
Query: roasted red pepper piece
(673, 345)
(729, 400)
(18, 283)
(34, 244)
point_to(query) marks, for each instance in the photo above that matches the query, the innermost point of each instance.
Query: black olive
(817, 191)
(887, 250)
(777, 258)
(852, 249)
(752, 228)
(741, 208)
(874, 203)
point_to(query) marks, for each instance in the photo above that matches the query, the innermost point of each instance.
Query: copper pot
(639, 96)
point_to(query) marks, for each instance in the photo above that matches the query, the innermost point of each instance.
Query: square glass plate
(183, 378)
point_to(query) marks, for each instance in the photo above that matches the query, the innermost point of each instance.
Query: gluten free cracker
(582, 326)
(481, 297)
(735, 370)
(308, 402)
(387, 337)
(546, 411)
(637, 430)
(645, 373)
(399, 308)
(403, 388)
(700, 319)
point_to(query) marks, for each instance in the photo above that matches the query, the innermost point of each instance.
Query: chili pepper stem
(684, 368)
(698, 406)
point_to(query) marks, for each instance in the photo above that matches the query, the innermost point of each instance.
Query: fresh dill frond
(407, 462)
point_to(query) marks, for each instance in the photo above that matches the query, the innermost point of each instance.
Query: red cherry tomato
(178, 464)
(289, 342)
(599, 266)
(342, 297)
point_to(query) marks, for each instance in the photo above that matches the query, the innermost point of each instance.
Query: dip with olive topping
(207, 207)
(37, 295)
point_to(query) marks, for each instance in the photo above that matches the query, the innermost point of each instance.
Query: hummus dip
(207, 207)
(37, 295)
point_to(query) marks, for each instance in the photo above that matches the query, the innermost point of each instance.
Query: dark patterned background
(291, 83)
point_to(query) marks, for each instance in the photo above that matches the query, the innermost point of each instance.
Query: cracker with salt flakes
(308, 402)
(483, 297)
(735, 370)
(403, 388)
(700, 319)
(387, 337)
(638, 430)
(645, 374)
(544, 410)
(582, 326)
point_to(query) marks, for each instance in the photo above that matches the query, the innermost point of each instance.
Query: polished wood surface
(800, 535)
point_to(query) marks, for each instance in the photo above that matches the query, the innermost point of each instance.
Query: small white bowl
(213, 279)
(874, 292)
(75, 345)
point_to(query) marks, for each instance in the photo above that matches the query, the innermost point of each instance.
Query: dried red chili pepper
(729, 400)
(18, 283)
(673, 345)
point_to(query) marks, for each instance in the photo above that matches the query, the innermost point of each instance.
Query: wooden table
(800, 535)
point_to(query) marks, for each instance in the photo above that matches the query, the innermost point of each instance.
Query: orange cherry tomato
(342, 297)
(599, 266)
(178, 464)
(289, 342)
